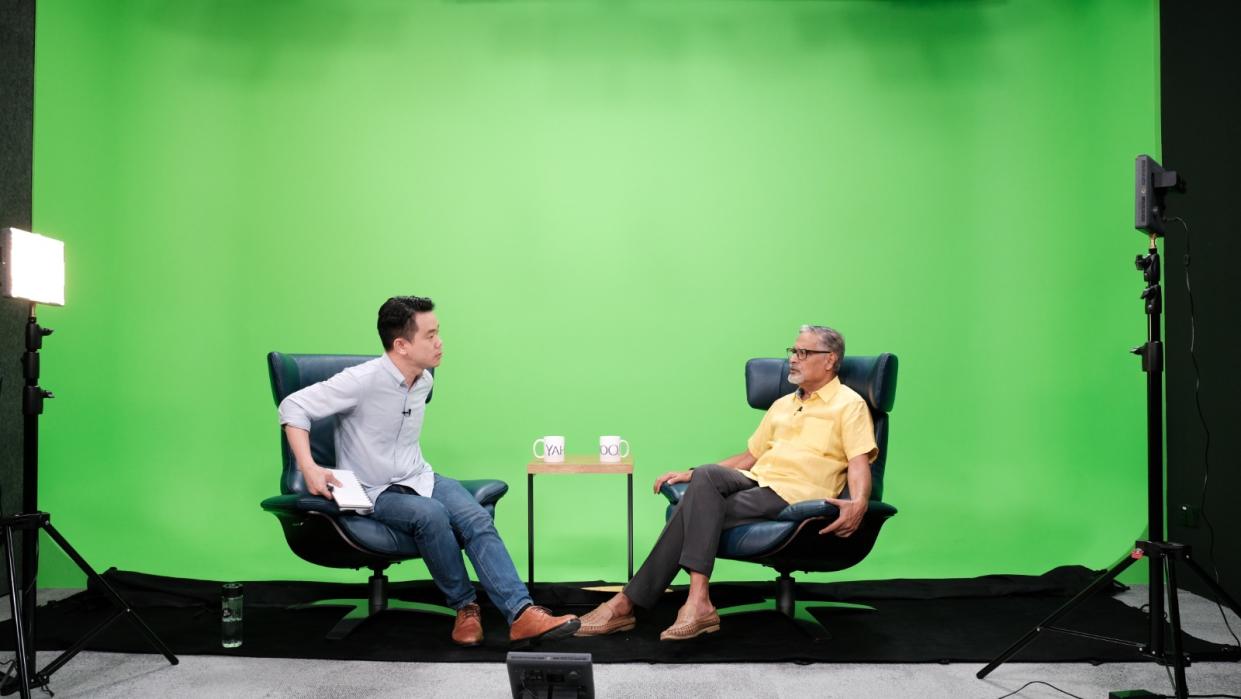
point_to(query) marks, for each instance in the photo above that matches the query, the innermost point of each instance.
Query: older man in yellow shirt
(809, 445)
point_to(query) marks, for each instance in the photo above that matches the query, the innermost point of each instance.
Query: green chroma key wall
(614, 205)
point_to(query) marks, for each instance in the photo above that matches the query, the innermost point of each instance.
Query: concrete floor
(103, 675)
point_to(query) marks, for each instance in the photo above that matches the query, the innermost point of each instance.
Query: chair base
(799, 613)
(359, 612)
(377, 604)
(801, 617)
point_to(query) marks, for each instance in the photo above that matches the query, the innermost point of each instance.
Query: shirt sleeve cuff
(871, 454)
(290, 418)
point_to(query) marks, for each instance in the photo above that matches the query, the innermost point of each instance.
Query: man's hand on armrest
(851, 512)
(741, 462)
(672, 477)
(319, 480)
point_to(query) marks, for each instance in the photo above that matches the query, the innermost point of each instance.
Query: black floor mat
(961, 620)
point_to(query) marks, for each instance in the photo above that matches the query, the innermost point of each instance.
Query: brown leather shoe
(538, 624)
(602, 620)
(687, 627)
(467, 630)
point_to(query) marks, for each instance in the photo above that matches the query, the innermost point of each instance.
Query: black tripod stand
(22, 597)
(1163, 555)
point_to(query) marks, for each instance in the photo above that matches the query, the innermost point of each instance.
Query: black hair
(396, 317)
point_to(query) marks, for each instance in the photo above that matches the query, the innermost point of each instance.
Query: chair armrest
(298, 503)
(795, 512)
(821, 508)
(673, 491)
(486, 491)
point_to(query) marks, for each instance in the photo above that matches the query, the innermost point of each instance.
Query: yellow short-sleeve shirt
(803, 445)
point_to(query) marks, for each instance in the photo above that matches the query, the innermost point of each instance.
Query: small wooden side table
(576, 463)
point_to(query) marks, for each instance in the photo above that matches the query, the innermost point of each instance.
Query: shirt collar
(390, 367)
(825, 393)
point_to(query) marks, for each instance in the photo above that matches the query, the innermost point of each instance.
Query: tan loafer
(685, 629)
(602, 621)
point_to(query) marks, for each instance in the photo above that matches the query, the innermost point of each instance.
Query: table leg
(530, 526)
(630, 479)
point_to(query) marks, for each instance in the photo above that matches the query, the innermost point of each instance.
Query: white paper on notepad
(349, 495)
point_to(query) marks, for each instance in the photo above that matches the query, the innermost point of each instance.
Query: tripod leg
(1069, 606)
(116, 598)
(19, 630)
(1174, 615)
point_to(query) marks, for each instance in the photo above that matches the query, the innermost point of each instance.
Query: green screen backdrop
(614, 206)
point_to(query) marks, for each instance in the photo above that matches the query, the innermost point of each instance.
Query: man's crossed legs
(444, 523)
(716, 499)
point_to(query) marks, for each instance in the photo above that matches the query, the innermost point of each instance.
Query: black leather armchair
(792, 541)
(316, 530)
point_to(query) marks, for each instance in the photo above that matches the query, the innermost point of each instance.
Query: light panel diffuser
(34, 267)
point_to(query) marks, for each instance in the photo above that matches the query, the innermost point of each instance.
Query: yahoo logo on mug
(610, 450)
(553, 449)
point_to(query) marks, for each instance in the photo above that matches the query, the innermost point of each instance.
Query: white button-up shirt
(378, 423)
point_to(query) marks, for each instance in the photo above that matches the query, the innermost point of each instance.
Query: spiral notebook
(349, 495)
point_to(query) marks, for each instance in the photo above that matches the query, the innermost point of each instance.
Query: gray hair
(831, 340)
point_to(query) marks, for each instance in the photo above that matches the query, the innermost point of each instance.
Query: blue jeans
(444, 523)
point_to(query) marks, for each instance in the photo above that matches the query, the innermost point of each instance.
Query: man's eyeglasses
(802, 353)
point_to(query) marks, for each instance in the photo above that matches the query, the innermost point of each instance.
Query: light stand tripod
(22, 597)
(1163, 555)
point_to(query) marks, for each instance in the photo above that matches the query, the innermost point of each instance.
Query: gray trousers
(716, 499)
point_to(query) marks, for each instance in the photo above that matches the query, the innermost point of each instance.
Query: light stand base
(25, 680)
(1163, 559)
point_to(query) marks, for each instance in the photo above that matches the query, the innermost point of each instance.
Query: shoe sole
(565, 630)
(709, 629)
(625, 627)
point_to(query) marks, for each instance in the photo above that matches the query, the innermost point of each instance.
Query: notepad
(349, 495)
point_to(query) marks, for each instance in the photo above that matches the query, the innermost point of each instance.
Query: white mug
(553, 449)
(610, 449)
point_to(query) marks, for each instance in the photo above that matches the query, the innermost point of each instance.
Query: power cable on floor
(1027, 684)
